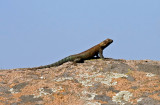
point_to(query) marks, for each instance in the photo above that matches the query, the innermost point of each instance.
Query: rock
(94, 82)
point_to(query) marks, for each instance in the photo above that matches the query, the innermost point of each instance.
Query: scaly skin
(88, 54)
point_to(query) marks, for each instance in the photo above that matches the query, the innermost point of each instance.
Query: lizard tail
(66, 59)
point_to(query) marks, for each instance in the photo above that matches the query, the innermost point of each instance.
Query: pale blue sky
(40, 32)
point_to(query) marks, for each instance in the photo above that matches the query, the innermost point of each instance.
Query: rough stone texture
(94, 82)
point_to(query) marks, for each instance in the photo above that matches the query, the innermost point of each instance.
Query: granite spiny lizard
(96, 50)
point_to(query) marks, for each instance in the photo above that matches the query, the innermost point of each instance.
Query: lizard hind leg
(77, 60)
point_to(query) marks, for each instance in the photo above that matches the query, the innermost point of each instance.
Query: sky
(40, 32)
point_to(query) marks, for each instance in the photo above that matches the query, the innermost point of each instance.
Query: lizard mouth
(110, 40)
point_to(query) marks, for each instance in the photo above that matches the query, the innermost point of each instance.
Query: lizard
(96, 50)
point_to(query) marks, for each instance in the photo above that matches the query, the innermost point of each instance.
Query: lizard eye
(104, 44)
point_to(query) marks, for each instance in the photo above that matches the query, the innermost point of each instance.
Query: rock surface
(94, 82)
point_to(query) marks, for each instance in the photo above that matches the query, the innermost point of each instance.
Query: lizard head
(106, 43)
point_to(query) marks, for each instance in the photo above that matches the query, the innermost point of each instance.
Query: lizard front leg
(96, 55)
(101, 54)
